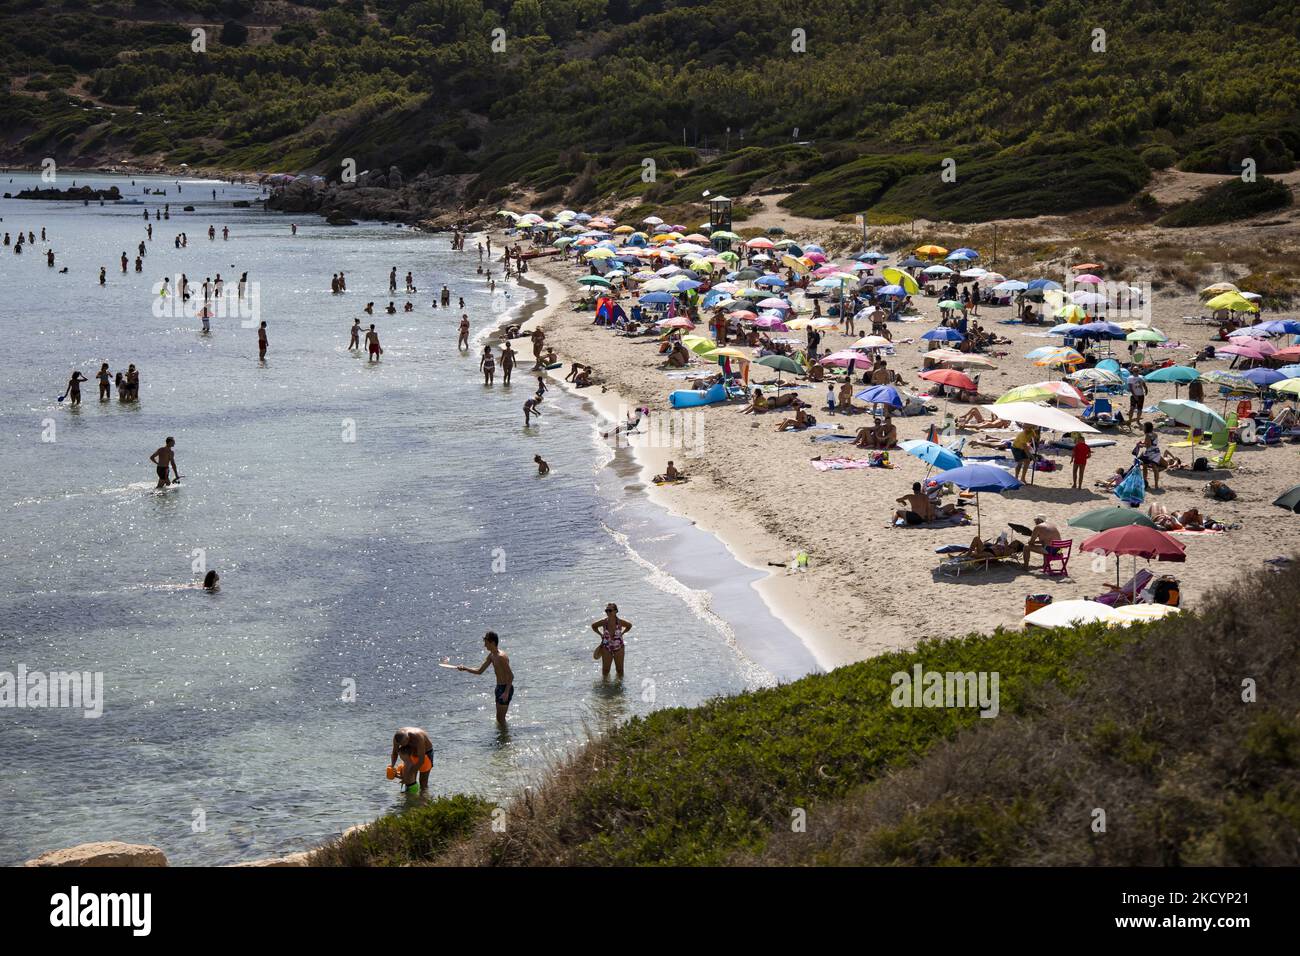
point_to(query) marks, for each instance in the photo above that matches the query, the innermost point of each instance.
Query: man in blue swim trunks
(505, 688)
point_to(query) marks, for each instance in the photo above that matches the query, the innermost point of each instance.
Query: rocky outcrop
(110, 853)
(388, 197)
(73, 192)
(291, 859)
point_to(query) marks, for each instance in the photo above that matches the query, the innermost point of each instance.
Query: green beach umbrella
(1192, 414)
(950, 304)
(1147, 335)
(782, 363)
(596, 280)
(1179, 374)
(1103, 519)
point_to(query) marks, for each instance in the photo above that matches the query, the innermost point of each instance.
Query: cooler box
(1034, 601)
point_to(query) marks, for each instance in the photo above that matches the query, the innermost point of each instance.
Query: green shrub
(1159, 157)
(1229, 202)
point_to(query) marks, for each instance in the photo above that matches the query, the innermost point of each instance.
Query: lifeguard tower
(720, 221)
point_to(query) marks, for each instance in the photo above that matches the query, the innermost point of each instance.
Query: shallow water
(225, 734)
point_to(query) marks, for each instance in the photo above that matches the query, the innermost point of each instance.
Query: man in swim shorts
(412, 744)
(372, 344)
(164, 458)
(918, 507)
(505, 688)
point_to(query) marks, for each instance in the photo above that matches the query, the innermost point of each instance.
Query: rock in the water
(110, 853)
(337, 218)
(292, 859)
(75, 192)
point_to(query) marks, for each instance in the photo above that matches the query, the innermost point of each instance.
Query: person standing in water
(354, 343)
(413, 745)
(261, 342)
(507, 362)
(164, 458)
(73, 390)
(505, 687)
(487, 365)
(612, 629)
(531, 409)
(463, 341)
(372, 344)
(104, 379)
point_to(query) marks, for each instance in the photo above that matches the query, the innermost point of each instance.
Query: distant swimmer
(531, 409)
(612, 630)
(445, 296)
(261, 342)
(124, 262)
(372, 344)
(415, 748)
(225, 232)
(463, 341)
(102, 274)
(211, 582)
(293, 229)
(392, 279)
(500, 661)
(49, 258)
(542, 467)
(392, 309)
(354, 343)
(73, 391)
(165, 458)
(369, 309)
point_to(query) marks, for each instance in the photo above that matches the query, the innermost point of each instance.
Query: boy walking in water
(505, 688)
(164, 458)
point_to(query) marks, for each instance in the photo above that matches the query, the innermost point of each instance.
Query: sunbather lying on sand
(801, 420)
(1189, 520)
(976, 419)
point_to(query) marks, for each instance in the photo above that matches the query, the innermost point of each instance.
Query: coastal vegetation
(856, 103)
(1230, 201)
(1183, 733)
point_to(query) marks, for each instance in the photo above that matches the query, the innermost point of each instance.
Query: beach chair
(1194, 438)
(1098, 408)
(1225, 460)
(1056, 558)
(1219, 441)
(1129, 592)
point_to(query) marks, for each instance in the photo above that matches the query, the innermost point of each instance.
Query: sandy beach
(871, 587)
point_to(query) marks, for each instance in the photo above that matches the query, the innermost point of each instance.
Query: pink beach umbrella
(842, 358)
(773, 303)
(1088, 279)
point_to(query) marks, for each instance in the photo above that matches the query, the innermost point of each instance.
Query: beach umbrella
(1043, 285)
(1179, 374)
(1217, 288)
(872, 255)
(656, 298)
(937, 271)
(1233, 381)
(1069, 613)
(901, 278)
(1289, 354)
(881, 395)
(1147, 335)
(781, 363)
(934, 455)
(677, 322)
(844, 358)
(699, 344)
(1248, 348)
(1103, 519)
(1290, 500)
(1099, 330)
(1290, 371)
(1062, 392)
(725, 352)
(931, 250)
(911, 262)
(953, 357)
(975, 273)
(1280, 327)
(596, 280)
(1232, 301)
(1071, 313)
(1137, 540)
(949, 304)
(1059, 356)
(775, 281)
(1192, 414)
(978, 478)
(1263, 377)
(1128, 614)
(1291, 386)
(1011, 285)
(943, 334)
(951, 378)
(1095, 376)
(1040, 416)
(760, 243)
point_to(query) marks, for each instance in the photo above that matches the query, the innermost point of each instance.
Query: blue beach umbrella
(1100, 330)
(1279, 327)
(1290, 371)
(774, 281)
(656, 298)
(1263, 376)
(881, 395)
(891, 290)
(978, 478)
(943, 334)
(1042, 285)
(932, 454)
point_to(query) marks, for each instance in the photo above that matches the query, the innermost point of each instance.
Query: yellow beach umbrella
(1290, 386)
(899, 277)
(698, 343)
(1072, 313)
(725, 352)
(932, 250)
(623, 230)
(1233, 302)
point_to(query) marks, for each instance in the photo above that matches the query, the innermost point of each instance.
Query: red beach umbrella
(948, 376)
(1137, 540)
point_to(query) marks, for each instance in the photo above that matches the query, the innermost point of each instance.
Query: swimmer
(542, 467)
(211, 582)
(505, 688)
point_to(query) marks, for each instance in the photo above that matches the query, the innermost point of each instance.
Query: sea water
(367, 520)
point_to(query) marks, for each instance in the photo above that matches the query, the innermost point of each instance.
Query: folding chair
(1225, 460)
(1056, 558)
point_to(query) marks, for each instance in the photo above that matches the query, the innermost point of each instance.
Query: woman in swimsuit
(612, 629)
(487, 364)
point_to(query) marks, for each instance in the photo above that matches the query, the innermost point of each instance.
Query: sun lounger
(1129, 592)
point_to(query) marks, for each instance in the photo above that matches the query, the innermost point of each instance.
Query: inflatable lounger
(690, 398)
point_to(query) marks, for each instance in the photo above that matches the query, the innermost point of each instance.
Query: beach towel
(834, 437)
(1198, 531)
(846, 464)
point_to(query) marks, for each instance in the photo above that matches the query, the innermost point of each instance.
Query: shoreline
(787, 596)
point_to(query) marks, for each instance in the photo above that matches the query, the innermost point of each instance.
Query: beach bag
(1220, 491)
(1132, 489)
(1201, 464)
